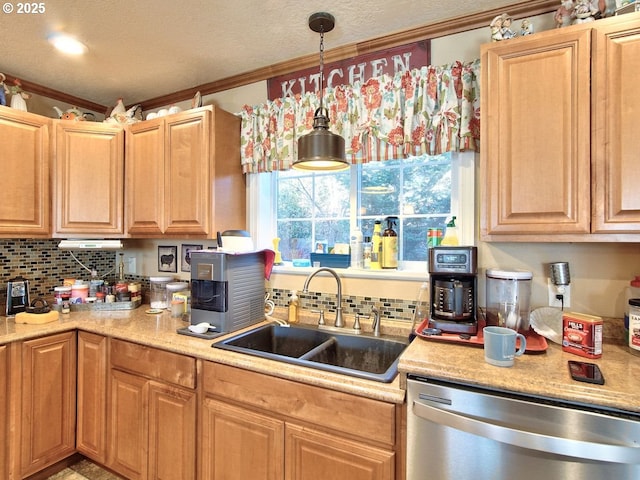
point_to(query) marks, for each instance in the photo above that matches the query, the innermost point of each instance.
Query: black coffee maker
(17, 295)
(453, 278)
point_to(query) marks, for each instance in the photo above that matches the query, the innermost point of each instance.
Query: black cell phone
(585, 372)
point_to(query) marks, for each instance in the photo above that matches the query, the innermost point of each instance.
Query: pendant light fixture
(321, 150)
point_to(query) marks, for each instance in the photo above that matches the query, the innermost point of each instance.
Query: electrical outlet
(130, 265)
(553, 291)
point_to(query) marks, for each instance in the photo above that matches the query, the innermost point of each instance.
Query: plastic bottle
(366, 253)
(376, 246)
(421, 311)
(631, 291)
(451, 233)
(294, 303)
(356, 248)
(390, 245)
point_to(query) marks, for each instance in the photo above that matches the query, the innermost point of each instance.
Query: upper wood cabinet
(88, 179)
(558, 154)
(183, 175)
(24, 156)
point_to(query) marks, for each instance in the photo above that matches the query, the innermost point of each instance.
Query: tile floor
(84, 470)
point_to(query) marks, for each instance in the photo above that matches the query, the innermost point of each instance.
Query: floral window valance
(430, 110)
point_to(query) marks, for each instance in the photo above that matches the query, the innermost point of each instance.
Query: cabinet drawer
(153, 363)
(370, 419)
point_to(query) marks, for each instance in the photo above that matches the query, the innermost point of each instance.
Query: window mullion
(354, 197)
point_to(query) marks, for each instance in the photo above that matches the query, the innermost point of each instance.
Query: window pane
(295, 197)
(315, 208)
(332, 231)
(380, 189)
(332, 195)
(295, 239)
(427, 185)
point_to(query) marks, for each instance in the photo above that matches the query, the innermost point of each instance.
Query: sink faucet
(375, 323)
(339, 322)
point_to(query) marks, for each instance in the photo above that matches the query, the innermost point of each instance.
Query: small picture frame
(185, 257)
(168, 258)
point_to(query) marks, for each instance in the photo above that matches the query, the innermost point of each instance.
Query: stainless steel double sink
(371, 358)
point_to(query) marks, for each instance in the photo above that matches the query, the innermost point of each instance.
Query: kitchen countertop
(159, 330)
(542, 374)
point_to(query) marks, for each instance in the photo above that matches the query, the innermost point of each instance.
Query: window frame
(262, 223)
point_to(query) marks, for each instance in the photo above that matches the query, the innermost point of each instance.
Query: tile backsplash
(390, 308)
(45, 266)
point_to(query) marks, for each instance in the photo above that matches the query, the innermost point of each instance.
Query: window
(308, 208)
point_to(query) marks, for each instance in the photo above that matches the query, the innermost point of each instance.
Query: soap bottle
(390, 245)
(355, 245)
(376, 246)
(294, 303)
(366, 253)
(451, 233)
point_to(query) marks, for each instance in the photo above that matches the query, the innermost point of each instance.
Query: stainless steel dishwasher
(457, 432)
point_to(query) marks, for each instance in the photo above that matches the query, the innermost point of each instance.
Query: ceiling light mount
(322, 22)
(321, 150)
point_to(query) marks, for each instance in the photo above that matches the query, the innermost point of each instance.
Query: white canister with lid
(158, 291)
(175, 287)
(508, 294)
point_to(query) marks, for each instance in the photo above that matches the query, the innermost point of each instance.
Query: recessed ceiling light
(67, 44)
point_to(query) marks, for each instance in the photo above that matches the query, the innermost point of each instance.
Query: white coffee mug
(500, 346)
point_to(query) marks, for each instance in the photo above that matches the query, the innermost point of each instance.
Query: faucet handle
(356, 323)
(321, 318)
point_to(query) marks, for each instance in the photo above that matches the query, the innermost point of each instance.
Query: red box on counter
(582, 334)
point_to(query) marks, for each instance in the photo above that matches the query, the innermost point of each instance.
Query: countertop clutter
(543, 374)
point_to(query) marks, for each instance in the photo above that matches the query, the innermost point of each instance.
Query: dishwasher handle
(529, 440)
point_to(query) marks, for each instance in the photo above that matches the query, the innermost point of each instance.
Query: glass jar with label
(158, 291)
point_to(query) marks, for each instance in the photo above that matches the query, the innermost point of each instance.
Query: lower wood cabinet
(260, 427)
(91, 429)
(151, 413)
(4, 414)
(46, 415)
(240, 443)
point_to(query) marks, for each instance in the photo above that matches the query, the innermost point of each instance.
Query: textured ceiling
(143, 49)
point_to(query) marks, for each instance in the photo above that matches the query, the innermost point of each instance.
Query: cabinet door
(238, 444)
(535, 152)
(144, 189)
(89, 179)
(187, 157)
(4, 430)
(48, 401)
(172, 432)
(24, 156)
(92, 396)
(311, 455)
(128, 425)
(616, 170)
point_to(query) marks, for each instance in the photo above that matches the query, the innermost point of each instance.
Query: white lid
(509, 274)
(62, 289)
(160, 279)
(177, 286)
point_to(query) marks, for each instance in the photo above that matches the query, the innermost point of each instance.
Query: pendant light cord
(321, 68)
